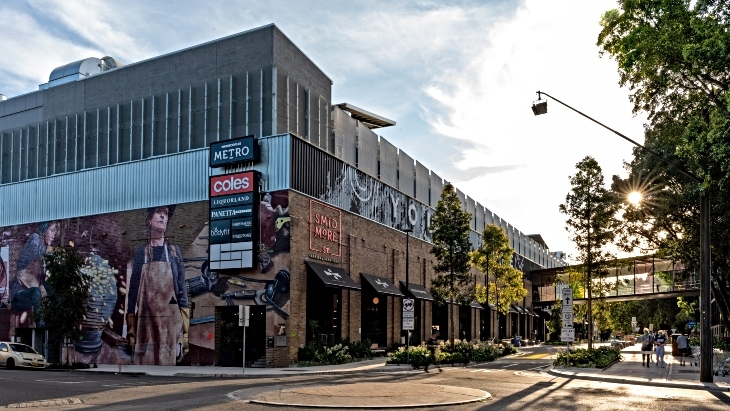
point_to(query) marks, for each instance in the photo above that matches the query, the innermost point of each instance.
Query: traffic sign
(568, 320)
(566, 309)
(567, 334)
(409, 323)
(409, 304)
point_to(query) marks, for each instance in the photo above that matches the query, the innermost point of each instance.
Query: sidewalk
(630, 371)
(374, 365)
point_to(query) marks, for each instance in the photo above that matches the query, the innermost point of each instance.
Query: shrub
(358, 349)
(418, 356)
(600, 357)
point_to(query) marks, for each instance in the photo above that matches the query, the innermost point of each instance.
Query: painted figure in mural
(158, 313)
(3, 280)
(268, 216)
(28, 285)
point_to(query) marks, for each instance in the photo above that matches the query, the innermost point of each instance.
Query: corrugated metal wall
(172, 179)
(388, 159)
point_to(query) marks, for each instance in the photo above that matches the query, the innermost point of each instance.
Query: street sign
(567, 334)
(633, 319)
(568, 320)
(409, 323)
(244, 313)
(409, 305)
(566, 309)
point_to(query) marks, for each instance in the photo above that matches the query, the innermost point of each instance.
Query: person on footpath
(683, 348)
(647, 347)
(432, 344)
(660, 341)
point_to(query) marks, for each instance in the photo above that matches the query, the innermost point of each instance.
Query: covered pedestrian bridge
(624, 280)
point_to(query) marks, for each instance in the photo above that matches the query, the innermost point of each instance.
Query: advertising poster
(153, 294)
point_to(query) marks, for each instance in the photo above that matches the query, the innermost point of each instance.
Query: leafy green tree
(451, 247)
(505, 284)
(674, 56)
(66, 303)
(590, 209)
(553, 325)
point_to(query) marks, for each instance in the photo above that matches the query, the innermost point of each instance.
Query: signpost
(567, 333)
(409, 305)
(244, 313)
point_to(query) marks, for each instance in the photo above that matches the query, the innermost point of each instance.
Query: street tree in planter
(504, 284)
(590, 208)
(66, 303)
(451, 247)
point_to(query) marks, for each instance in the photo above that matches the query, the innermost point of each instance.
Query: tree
(554, 323)
(493, 258)
(66, 303)
(674, 56)
(590, 208)
(451, 246)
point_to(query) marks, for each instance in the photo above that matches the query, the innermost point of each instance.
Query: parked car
(20, 355)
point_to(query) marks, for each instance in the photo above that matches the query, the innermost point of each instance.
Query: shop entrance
(465, 323)
(440, 320)
(324, 313)
(229, 336)
(374, 316)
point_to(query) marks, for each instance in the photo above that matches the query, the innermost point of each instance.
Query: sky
(458, 77)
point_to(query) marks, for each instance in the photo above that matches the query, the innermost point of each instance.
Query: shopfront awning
(475, 304)
(417, 291)
(492, 307)
(531, 312)
(333, 276)
(513, 309)
(382, 285)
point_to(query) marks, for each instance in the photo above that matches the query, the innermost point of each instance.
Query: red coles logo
(231, 184)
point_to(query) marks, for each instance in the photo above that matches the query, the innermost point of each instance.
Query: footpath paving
(631, 371)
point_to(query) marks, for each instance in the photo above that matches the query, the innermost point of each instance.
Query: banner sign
(238, 150)
(233, 216)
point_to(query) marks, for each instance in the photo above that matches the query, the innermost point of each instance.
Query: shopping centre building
(219, 176)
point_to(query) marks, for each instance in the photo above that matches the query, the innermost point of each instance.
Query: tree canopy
(674, 56)
(66, 304)
(451, 247)
(590, 208)
(506, 285)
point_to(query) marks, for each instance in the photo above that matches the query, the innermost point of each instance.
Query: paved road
(515, 383)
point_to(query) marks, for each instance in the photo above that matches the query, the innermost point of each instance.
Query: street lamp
(540, 107)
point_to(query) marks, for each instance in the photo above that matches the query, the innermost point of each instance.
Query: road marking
(488, 370)
(65, 382)
(538, 368)
(509, 365)
(535, 356)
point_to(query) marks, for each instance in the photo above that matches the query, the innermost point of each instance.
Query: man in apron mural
(158, 314)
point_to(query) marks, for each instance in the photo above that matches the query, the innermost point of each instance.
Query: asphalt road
(515, 384)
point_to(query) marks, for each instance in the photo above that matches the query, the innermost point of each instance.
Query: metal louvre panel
(422, 183)
(274, 165)
(406, 173)
(437, 187)
(471, 210)
(367, 150)
(345, 143)
(388, 163)
(462, 198)
(480, 218)
(179, 178)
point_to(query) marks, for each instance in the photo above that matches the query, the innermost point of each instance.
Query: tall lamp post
(408, 231)
(540, 107)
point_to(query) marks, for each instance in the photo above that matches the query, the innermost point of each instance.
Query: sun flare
(635, 197)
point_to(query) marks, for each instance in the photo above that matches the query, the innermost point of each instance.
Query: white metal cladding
(177, 178)
(275, 164)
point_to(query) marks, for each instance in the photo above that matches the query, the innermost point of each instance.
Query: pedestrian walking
(432, 345)
(659, 342)
(683, 348)
(647, 347)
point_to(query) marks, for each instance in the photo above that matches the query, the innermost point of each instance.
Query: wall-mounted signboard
(233, 217)
(237, 150)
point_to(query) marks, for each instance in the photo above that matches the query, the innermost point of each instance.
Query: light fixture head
(539, 107)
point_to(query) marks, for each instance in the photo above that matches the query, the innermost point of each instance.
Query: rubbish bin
(675, 350)
(516, 340)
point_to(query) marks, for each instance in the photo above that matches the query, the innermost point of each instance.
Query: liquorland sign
(238, 150)
(233, 217)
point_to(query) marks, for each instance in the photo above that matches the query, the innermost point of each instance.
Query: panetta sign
(239, 150)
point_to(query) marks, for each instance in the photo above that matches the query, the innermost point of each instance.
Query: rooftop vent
(79, 70)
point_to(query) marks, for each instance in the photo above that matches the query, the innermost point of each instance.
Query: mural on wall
(4, 291)
(368, 197)
(153, 296)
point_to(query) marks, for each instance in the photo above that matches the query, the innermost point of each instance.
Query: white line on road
(509, 365)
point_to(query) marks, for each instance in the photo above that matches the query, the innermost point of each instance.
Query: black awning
(513, 309)
(519, 309)
(531, 312)
(418, 291)
(475, 304)
(382, 285)
(333, 276)
(492, 307)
